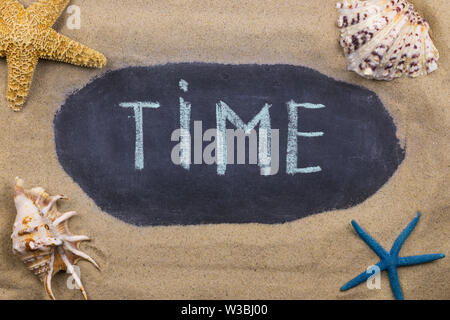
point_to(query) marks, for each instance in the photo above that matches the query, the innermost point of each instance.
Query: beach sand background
(309, 258)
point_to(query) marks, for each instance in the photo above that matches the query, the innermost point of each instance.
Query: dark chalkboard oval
(348, 143)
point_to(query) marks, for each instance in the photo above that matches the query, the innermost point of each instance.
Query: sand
(305, 259)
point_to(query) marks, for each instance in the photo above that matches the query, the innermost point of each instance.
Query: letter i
(185, 128)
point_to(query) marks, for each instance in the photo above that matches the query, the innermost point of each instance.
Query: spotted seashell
(385, 39)
(41, 238)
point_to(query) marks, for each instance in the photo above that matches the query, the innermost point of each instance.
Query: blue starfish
(390, 261)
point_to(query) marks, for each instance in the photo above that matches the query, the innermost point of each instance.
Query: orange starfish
(26, 35)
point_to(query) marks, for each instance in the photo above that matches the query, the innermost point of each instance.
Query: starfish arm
(46, 12)
(4, 32)
(413, 260)
(395, 283)
(375, 246)
(9, 9)
(3, 45)
(404, 235)
(61, 48)
(21, 66)
(361, 278)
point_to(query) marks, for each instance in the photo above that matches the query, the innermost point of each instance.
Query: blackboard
(337, 144)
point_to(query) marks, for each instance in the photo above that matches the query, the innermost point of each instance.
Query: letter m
(224, 113)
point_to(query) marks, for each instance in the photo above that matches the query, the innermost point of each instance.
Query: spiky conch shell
(41, 236)
(385, 39)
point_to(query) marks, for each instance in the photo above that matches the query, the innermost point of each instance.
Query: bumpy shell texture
(41, 238)
(385, 39)
(26, 36)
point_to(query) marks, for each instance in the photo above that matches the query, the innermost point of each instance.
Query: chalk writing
(139, 148)
(224, 138)
(224, 113)
(292, 147)
(184, 85)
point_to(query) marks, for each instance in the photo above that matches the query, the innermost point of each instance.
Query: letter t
(139, 149)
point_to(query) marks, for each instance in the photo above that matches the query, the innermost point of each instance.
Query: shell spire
(385, 39)
(41, 237)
